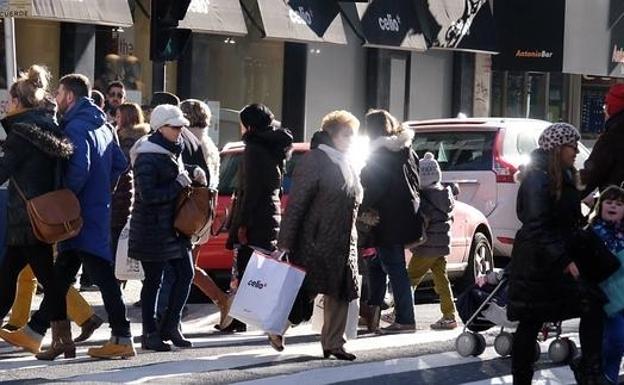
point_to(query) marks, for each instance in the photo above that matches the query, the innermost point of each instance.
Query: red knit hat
(615, 99)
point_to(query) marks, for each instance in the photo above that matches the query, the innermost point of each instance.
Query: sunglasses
(177, 128)
(115, 95)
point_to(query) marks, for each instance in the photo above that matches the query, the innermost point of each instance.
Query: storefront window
(593, 91)
(536, 95)
(557, 106)
(497, 101)
(515, 95)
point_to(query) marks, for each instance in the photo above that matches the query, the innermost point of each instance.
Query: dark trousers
(183, 270)
(590, 333)
(41, 260)
(390, 262)
(243, 256)
(102, 274)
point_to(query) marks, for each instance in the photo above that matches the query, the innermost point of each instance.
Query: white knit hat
(430, 172)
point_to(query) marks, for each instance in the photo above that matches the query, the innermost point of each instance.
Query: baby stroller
(484, 306)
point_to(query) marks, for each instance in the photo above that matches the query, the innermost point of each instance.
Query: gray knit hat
(429, 171)
(558, 134)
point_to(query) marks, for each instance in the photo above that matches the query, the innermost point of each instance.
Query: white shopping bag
(353, 315)
(266, 293)
(126, 268)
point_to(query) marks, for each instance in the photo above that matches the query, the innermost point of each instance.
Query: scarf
(351, 176)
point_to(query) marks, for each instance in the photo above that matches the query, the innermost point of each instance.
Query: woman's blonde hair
(381, 123)
(131, 115)
(31, 87)
(197, 112)
(333, 122)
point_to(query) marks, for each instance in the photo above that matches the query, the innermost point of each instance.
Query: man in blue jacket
(91, 173)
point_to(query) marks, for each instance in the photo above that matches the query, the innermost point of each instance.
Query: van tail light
(505, 240)
(504, 170)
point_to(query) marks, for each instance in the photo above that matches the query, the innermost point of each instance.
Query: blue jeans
(613, 345)
(183, 278)
(390, 262)
(168, 279)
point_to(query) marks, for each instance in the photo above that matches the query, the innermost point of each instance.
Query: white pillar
(9, 44)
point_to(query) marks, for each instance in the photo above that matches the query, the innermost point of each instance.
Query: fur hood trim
(210, 152)
(44, 140)
(394, 143)
(134, 132)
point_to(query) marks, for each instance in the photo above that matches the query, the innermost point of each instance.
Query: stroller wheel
(538, 351)
(503, 344)
(559, 350)
(480, 348)
(466, 344)
(573, 350)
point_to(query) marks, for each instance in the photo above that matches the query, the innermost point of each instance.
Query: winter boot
(588, 371)
(176, 337)
(152, 341)
(23, 338)
(62, 342)
(216, 295)
(116, 347)
(89, 327)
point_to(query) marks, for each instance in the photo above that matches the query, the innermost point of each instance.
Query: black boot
(152, 341)
(588, 371)
(176, 337)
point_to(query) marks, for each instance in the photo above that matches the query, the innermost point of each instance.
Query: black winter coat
(436, 207)
(538, 287)
(390, 181)
(32, 150)
(152, 235)
(605, 165)
(260, 177)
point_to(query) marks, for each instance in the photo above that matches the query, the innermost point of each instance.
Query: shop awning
(297, 20)
(391, 24)
(109, 12)
(223, 17)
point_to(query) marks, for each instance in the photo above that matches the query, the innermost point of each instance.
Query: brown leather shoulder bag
(54, 216)
(195, 211)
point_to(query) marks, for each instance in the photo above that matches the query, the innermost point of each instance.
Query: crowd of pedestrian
(344, 219)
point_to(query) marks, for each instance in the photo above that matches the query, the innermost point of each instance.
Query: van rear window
(457, 151)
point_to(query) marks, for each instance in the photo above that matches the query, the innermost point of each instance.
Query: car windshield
(229, 169)
(457, 151)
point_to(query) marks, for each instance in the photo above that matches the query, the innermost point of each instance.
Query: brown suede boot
(62, 342)
(216, 295)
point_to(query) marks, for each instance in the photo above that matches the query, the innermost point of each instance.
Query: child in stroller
(484, 305)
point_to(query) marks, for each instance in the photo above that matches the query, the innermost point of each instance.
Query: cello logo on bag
(257, 284)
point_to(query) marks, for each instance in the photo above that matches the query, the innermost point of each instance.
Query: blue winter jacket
(613, 287)
(92, 173)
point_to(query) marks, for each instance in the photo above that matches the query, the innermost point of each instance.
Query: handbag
(54, 216)
(194, 211)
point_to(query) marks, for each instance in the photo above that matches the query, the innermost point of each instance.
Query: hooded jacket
(390, 181)
(92, 173)
(259, 185)
(33, 151)
(152, 235)
(199, 149)
(436, 207)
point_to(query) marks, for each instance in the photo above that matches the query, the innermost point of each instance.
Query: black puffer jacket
(605, 165)
(436, 207)
(538, 287)
(152, 235)
(259, 185)
(390, 174)
(33, 146)
(124, 193)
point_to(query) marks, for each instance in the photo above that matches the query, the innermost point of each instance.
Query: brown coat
(318, 227)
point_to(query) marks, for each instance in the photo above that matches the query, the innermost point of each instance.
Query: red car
(471, 241)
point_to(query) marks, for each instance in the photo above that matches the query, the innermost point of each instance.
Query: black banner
(616, 10)
(530, 35)
(318, 15)
(388, 22)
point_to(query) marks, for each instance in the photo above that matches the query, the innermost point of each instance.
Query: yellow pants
(78, 310)
(419, 266)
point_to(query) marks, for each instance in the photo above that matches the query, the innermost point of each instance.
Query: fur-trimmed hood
(394, 143)
(38, 127)
(210, 152)
(134, 132)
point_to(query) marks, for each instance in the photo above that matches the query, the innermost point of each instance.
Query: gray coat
(318, 227)
(436, 206)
